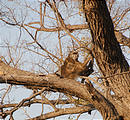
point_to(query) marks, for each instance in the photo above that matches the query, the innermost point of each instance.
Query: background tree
(106, 90)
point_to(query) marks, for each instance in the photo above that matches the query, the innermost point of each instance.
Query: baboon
(72, 68)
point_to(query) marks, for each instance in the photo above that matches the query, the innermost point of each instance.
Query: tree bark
(109, 58)
(55, 83)
(108, 54)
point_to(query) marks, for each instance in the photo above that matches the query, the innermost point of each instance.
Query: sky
(11, 34)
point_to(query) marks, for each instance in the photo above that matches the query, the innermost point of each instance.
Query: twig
(114, 75)
(22, 102)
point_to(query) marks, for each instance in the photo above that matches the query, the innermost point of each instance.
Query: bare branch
(64, 111)
(122, 39)
(120, 17)
(8, 112)
(54, 83)
(40, 101)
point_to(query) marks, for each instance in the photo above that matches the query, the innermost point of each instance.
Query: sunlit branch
(40, 101)
(34, 38)
(20, 104)
(63, 26)
(120, 17)
(41, 22)
(60, 46)
(65, 111)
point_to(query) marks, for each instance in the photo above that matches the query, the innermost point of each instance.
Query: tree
(111, 100)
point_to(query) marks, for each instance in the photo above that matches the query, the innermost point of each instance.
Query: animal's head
(74, 55)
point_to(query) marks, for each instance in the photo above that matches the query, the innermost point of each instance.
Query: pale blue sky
(11, 34)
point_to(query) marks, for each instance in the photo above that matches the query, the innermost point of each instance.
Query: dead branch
(55, 83)
(64, 111)
(33, 101)
(10, 112)
(122, 39)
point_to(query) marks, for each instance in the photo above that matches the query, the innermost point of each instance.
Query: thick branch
(122, 39)
(52, 82)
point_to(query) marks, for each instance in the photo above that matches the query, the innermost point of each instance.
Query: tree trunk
(109, 56)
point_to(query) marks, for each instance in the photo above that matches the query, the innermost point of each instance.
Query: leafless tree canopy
(37, 39)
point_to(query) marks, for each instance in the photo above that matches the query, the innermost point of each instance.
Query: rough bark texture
(109, 58)
(54, 83)
(108, 54)
(122, 39)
